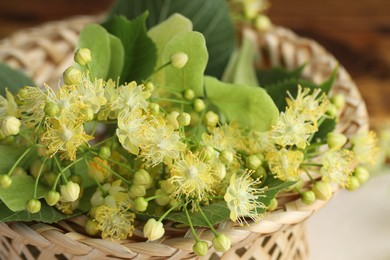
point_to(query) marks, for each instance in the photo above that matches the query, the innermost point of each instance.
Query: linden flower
(285, 163)
(110, 194)
(337, 166)
(68, 101)
(131, 96)
(292, 129)
(309, 106)
(32, 101)
(115, 222)
(92, 93)
(8, 106)
(160, 142)
(258, 142)
(225, 137)
(192, 177)
(242, 198)
(365, 147)
(111, 95)
(64, 137)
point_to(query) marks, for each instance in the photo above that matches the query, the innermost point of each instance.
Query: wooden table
(355, 31)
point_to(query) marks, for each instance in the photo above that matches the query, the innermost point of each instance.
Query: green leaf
(278, 74)
(326, 127)
(13, 79)
(47, 214)
(250, 107)
(140, 51)
(191, 75)
(211, 18)
(328, 84)
(96, 38)
(117, 58)
(20, 191)
(162, 33)
(10, 154)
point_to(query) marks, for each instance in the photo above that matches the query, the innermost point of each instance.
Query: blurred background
(354, 225)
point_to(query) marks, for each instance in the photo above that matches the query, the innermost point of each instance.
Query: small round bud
(76, 178)
(51, 109)
(308, 197)
(33, 206)
(149, 86)
(19, 171)
(353, 183)
(200, 248)
(220, 171)
(172, 119)
(189, 94)
(253, 162)
(154, 108)
(71, 75)
(361, 174)
(211, 119)
(273, 204)
(339, 101)
(332, 110)
(104, 152)
(226, 157)
(167, 186)
(336, 141)
(5, 181)
(262, 23)
(10, 125)
(70, 191)
(153, 229)
(83, 56)
(322, 190)
(199, 105)
(184, 119)
(136, 191)
(52, 197)
(179, 60)
(140, 204)
(88, 114)
(50, 178)
(142, 177)
(221, 243)
(163, 198)
(91, 227)
(260, 173)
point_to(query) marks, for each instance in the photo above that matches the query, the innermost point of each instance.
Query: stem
(191, 226)
(94, 128)
(94, 177)
(60, 169)
(37, 179)
(161, 67)
(310, 177)
(207, 220)
(154, 197)
(116, 162)
(312, 164)
(19, 160)
(113, 172)
(166, 213)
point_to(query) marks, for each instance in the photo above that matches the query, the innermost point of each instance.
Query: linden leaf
(251, 107)
(117, 58)
(13, 79)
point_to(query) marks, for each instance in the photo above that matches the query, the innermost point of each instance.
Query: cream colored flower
(91, 93)
(337, 166)
(131, 96)
(225, 137)
(365, 147)
(285, 163)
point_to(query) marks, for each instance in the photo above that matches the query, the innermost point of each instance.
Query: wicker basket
(44, 52)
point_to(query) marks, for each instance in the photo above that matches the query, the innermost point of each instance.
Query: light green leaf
(191, 75)
(209, 17)
(10, 154)
(20, 191)
(13, 79)
(117, 58)
(162, 33)
(140, 51)
(96, 38)
(250, 107)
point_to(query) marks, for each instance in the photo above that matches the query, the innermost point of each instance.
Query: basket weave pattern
(45, 52)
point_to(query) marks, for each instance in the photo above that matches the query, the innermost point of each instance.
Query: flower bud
(149, 86)
(211, 119)
(322, 190)
(154, 108)
(91, 227)
(140, 204)
(70, 191)
(199, 105)
(189, 94)
(50, 177)
(10, 125)
(33, 206)
(163, 198)
(104, 152)
(273, 204)
(52, 197)
(179, 60)
(172, 119)
(220, 171)
(308, 197)
(153, 229)
(253, 162)
(83, 56)
(353, 183)
(221, 243)
(335, 140)
(200, 248)
(136, 191)
(167, 186)
(260, 173)
(88, 114)
(97, 198)
(142, 177)
(19, 171)
(262, 23)
(226, 157)
(5, 181)
(332, 110)
(362, 174)
(184, 119)
(71, 76)
(339, 101)
(51, 109)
